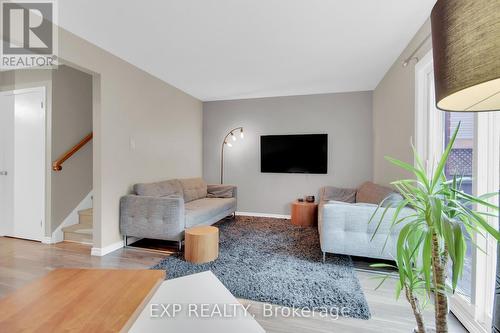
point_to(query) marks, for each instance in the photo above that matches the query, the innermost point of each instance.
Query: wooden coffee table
(80, 300)
(201, 244)
(305, 214)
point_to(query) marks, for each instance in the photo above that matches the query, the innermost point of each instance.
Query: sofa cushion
(338, 194)
(372, 193)
(220, 191)
(199, 211)
(392, 200)
(193, 189)
(159, 189)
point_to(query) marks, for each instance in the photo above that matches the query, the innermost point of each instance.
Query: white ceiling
(229, 49)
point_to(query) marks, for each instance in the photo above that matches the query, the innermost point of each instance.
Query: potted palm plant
(434, 236)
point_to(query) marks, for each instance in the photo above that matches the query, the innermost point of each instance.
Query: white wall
(394, 113)
(345, 117)
(163, 123)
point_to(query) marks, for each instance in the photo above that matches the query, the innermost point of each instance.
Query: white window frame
(488, 151)
(429, 138)
(429, 144)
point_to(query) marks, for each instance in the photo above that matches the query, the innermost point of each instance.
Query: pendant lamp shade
(466, 52)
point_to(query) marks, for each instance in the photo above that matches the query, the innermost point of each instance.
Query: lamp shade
(466, 52)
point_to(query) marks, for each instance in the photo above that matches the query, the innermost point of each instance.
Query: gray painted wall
(345, 117)
(71, 121)
(394, 112)
(7, 80)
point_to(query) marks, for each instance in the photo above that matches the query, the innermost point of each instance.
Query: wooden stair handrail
(57, 164)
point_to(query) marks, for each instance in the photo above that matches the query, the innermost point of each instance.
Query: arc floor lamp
(230, 136)
(466, 54)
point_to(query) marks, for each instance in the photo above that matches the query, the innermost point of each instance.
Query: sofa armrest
(356, 217)
(152, 217)
(221, 191)
(338, 194)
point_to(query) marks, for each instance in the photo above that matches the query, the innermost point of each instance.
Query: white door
(6, 164)
(24, 195)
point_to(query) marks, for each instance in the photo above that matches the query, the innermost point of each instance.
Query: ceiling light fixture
(466, 53)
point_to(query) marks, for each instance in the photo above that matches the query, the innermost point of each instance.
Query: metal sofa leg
(180, 245)
(125, 240)
(324, 257)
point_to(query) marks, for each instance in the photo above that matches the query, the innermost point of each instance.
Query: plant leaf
(481, 221)
(477, 200)
(420, 174)
(400, 257)
(442, 162)
(381, 265)
(426, 260)
(458, 263)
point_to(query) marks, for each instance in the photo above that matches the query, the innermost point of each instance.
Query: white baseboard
(276, 216)
(47, 240)
(102, 251)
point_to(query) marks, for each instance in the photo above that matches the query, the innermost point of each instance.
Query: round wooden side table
(305, 214)
(201, 244)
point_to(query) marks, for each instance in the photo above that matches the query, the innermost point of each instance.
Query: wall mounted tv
(300, 153)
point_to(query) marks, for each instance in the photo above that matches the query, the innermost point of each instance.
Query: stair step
(81, 233)
(77, 238)
(85, 216)
(81, 228)
(86, 212)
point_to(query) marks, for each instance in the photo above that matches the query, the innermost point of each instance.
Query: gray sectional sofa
(343, 218)
(163, 210)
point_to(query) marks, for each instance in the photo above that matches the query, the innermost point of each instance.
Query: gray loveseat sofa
(163, 210)
(343, 218)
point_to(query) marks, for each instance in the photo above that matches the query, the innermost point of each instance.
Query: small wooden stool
(305, 214)
(201, 244)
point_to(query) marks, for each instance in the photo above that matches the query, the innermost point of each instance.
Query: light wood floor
(23, 261)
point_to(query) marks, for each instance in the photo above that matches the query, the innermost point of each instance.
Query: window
(460, 164)
(476, 157)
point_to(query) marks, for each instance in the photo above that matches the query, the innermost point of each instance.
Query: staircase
(82, 231)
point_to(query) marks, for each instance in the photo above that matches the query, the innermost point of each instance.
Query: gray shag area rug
(273, 261)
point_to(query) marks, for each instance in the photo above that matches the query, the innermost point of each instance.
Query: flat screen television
(299, 153)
